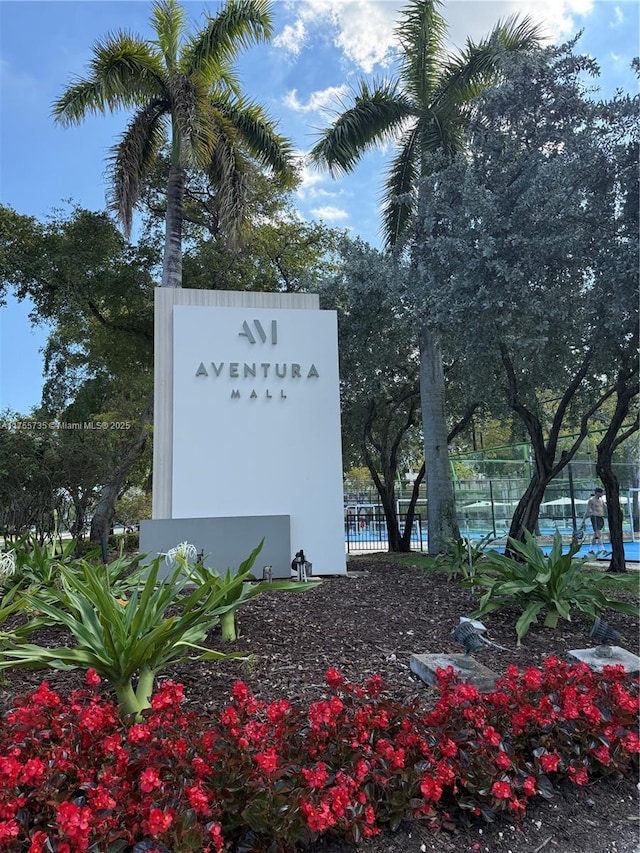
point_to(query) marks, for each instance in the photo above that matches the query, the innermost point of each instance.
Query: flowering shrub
(74, 777)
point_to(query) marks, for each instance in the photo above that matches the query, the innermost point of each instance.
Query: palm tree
(425, 111)
(183, 92)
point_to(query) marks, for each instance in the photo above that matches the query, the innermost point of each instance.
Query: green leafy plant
(127, 641)
(459, 557)
(12, 602)
(554, 584)
(234, 595)
(38, 565)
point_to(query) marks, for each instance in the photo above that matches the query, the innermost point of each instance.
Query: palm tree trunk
(441, 509)
(172, 265)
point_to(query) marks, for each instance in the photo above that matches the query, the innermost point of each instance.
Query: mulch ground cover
(371, 622)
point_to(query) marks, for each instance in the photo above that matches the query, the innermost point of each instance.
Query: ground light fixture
(605, 636)
(467, 636)
(469, 633)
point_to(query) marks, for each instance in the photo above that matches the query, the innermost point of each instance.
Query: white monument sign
(256, 422)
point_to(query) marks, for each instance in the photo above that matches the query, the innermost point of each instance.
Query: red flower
(530, 786)
(9, 770)
(319, 819)
(215, 831)
(157, 822)
(74, 821)
(602, 754)
(240, 692)
(149, 780)
(267, 760)
(549, 762)
(578, 775)
(503, 761)
(277, 711)
(501, 790)
(374, 685)
(139, 733)
(631, 742)
(430, 789)
(316, 777)
(229, 717)
(491, 736)
(200, 767)
(532, 678)
(168, 695)
(333, 678)
(8, 829)
(256, 732)
(92, 678)
(448, 748)
(32, 772)
(198, 799)
(38, 840)
(100, 798)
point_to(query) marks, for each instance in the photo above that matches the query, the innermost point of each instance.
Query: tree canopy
(533, 240)
(183, 92)
(425, 109)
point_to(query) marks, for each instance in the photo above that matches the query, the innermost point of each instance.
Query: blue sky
(320, 48)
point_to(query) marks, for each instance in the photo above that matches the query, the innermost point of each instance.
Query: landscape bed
(370, 623)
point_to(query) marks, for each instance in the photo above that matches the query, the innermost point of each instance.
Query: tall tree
(378, 372)
(426, 109)
(379, 387)
(184, 93)
(97, 293)
(532, 261)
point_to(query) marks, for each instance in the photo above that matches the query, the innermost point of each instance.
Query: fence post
(493, 509)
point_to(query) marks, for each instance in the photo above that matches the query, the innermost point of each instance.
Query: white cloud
(366, 33)
(618, 16)
(361, 29)
(309, 178)
(317, 101)
(364, 30)
(320, 193)
(475, 18)
(331, 214)
(292, 38)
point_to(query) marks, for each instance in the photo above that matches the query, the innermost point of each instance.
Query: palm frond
(259, 135)
(466, 75)
(238, 25)
(517, 34)
(400, 189)
(168, 20)
(442, 131)
(132, 158)
(375, 115)
(422, 33)
(228, 174)
(194, 133)
(124, 72)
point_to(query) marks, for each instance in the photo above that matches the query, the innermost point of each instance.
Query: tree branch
(117, 327)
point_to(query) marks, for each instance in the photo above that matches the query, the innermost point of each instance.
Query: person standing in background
(596, 509)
